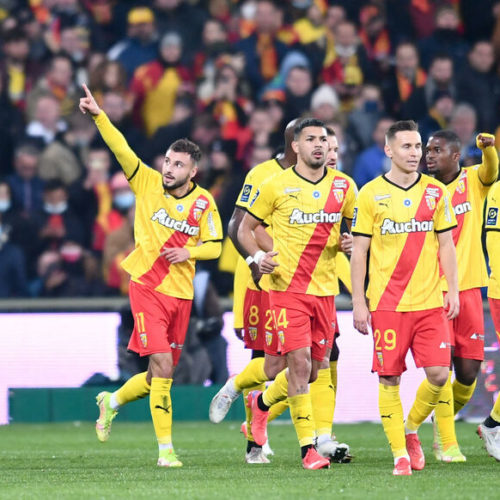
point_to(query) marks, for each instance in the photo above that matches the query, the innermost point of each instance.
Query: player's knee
(438, 377)
(273, 365)
(467, 378)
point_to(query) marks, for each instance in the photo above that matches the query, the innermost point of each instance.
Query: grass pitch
(66, 461)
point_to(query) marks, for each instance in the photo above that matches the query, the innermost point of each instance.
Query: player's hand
(451, 305)
(256, 274)
(485, 140)
(239, 333)
(345, 243)
(88, 103)
(175, 255)
(361, 318)
(267, 263)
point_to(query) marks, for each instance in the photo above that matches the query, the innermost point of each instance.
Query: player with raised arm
(489, 430)
(305, 205)
(468, 188)
(404, 219)
(176, 223)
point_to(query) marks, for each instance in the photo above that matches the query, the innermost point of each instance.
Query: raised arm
(111, 135)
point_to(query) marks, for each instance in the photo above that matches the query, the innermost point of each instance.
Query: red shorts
(467, 329)
(303, 321)
(394, 333)
(160, 321)
(258, 324)
(495, 314)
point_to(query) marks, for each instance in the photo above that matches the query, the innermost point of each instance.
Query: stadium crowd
(228, 74)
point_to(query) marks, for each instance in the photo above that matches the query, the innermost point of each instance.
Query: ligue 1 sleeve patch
(354, 217)
(245, 193)
(492, 216)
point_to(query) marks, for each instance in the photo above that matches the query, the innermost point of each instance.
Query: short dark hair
(330, 132)
(450, 137)
(401, 126)
(186, 146)
(306, 122)
(54, 185)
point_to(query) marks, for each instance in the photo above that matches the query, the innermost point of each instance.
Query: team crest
(144, 339)
(281, 337)
(197, 213)
(201, 204)
(252, 331)
(339, 195)
(431, 202)
(461, 186)
(380, 358)
(269, 338)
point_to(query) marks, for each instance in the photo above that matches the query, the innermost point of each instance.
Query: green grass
(66, 461)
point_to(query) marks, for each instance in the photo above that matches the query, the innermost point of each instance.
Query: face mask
(56, 208)
(71, 254)
(371, 106)
(5, 205)
(123, 201)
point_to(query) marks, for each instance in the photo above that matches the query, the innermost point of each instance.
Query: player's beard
(177, 184)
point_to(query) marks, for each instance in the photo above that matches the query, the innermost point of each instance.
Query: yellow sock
(425, 402)
(391, 415)
(445, 416)
(248, 411)
(277, 391)
(462, 394)
(323, 402)
(252, 375)
(495, 412)
(302, 418)
(161, 409)
(333, 374)
(134, 388)
(277, 409)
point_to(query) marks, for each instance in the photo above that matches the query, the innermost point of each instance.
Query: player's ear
(194, 171)
(387, 150)
(295, 147)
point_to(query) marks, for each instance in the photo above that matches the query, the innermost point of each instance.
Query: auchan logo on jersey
(300, 217)
(412, 226)
(161, 216)
(462, 208)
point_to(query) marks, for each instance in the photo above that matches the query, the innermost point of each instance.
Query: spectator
(156, 85)
(311, 27)
(439, 115)
(19, 71)
(57, 222)
(75, 42)
(439, 79)
(112, 219)
(26, 185)
(61, 159)
(141, 43)
(479, 85)
(348, 65)
(404, 79)
(58, 81)
(325, 103)
(12, 259)
(373, 162)
(445, 39)
(181, 16)
(11, 128)
(47, 122)
(107, 76)
(464, 123)
(363, 119)
(262, 50)
(298, 92)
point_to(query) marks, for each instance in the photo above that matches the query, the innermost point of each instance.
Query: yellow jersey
(162, 221)
(467, 195)
(402, 224)
(492, 227)
(305, 219)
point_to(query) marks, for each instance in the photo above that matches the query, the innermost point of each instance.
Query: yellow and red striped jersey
(305, 221)
(492, 227)
(162, 221)
(402, 224)
(467, 195)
